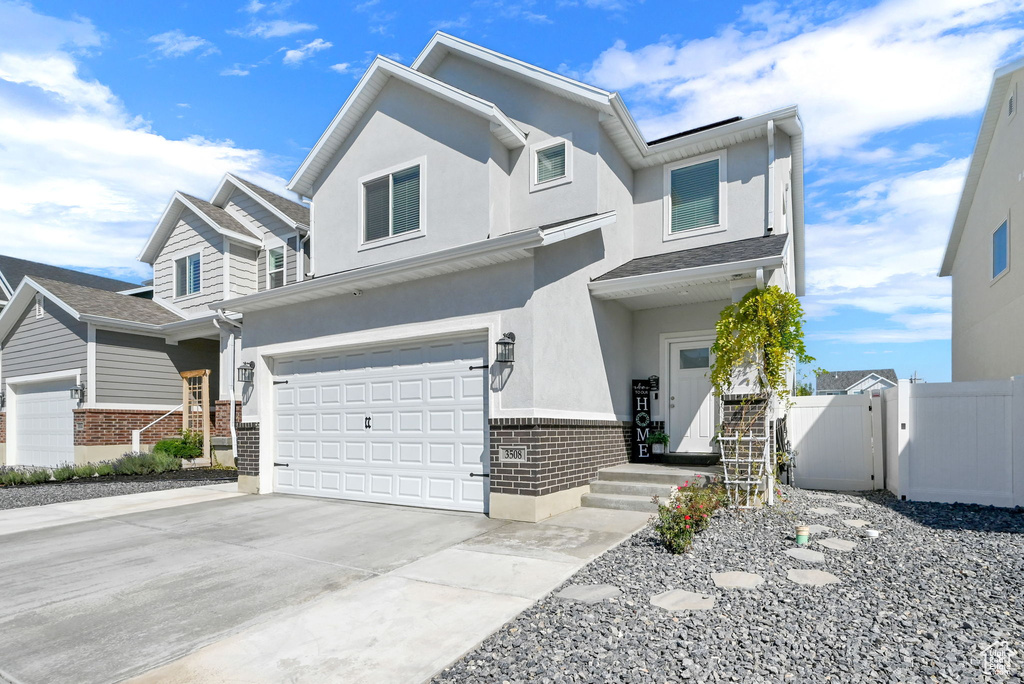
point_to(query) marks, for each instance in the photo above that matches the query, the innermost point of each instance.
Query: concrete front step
(631, 488)
(654, 473)
(620, 502)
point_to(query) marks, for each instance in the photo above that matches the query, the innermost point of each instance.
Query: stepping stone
(589, 593)
(677, 599)
(818, 529)
(737, 580)
(838, 544)
(812, 578)
(848, 504)
(856, 523)
(806, 555)
(824, 511)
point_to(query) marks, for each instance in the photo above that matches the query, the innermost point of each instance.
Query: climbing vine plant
(762, 334)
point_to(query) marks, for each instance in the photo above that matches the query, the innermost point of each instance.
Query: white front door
(403, 424)
(44, 424)
(691, 414)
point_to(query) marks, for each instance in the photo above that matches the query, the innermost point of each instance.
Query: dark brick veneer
(248, 449)
(563, 453)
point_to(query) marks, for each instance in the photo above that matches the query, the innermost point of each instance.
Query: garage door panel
(307, 451)
(427, 433)
(306, 479)
(43, 423)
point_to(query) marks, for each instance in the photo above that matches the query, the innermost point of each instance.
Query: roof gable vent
(1011, 102)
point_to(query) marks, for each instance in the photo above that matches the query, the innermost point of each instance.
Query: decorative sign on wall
(641, 420)
(512, 453)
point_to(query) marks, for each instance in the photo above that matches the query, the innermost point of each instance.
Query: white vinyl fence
(946, 442)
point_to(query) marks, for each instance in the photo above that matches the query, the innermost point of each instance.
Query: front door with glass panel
(691, 414)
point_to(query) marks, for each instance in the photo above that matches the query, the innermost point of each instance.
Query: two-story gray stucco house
(84, 362)
(983, 256)
(473, 195)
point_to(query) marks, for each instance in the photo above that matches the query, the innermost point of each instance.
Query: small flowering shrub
(687, 512)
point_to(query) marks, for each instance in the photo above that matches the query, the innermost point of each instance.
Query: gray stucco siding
(137, 369)
(55, 342)
(191, 235)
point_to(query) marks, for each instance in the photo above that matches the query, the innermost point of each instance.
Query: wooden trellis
(195, 405)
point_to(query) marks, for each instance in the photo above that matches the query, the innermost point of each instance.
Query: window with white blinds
(551, 163)
(187, 275)
(275, 267)
(694, 196)
(391, 205)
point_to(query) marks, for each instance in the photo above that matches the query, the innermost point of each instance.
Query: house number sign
(641, 420)
(512, 453)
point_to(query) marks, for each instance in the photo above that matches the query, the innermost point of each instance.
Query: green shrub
(85, 470)
(104, 469)
(11, 476)
(687, 512)
(37, 476)
(134, 463)
(63, 472)
(188, 446)
(163, 462)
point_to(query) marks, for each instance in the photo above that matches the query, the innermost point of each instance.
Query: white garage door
(404, 424)
(44, 424)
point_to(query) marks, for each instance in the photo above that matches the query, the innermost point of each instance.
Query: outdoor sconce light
(247, 371)
(78, 391)
(506, 349)
(3, 398)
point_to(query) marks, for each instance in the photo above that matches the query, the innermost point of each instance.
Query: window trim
(565, 139)
(365, 244)
(992, 251)
(174, 269)
(284, 263)
(723, 183)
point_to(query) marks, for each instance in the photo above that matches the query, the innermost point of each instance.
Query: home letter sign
(641, 420)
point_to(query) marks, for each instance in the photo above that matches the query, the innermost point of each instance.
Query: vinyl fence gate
(838, 442)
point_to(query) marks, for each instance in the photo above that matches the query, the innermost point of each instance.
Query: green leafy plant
(38, 476)
(11, 476)
(104, 469)
(85, 470)
(686, 513)
(657, 437)
(188, 446)
(63, 472)
(134, 463)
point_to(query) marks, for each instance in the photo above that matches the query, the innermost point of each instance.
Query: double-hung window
(551, 162)
(391, 205)
(275, 267)
(694, 196)
(1001, 249)
(186, 275)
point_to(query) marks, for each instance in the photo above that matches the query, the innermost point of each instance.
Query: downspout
(300, 258)
(770, 223)
(233, 326)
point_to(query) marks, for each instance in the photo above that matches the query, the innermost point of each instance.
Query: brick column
(248, 449)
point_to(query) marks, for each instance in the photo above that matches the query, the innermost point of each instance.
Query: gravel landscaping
(96, 487)
(939, 596)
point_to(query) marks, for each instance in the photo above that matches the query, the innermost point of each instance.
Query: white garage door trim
(40, 430)
(404, 423)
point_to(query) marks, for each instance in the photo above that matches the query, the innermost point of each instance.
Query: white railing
(137, 434)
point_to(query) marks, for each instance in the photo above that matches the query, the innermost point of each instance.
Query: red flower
(687, 517)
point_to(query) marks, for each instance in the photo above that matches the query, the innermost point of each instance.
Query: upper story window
(695, 196)
(551, 163)
(1001, 249)
(187, 279)
(391, 205)
(275, 267)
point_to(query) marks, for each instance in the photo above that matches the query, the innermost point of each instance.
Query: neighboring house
(855, 382)
(122, 352)
(985, 254)
(474, 195)
(13, 271)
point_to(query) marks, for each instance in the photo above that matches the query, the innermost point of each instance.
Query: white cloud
(451, 24)
(342, 68)
(276, 28)
(82, 180)
(304, 52)
(236, 70)
(175, 43)
(900, 62)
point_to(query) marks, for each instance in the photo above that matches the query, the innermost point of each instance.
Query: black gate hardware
(282, 465)
(479, 367)
(280, 382)
(479, 475)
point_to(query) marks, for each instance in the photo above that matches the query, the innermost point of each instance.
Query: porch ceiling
(672, 294)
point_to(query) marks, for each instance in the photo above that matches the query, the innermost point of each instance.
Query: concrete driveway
(269, 589)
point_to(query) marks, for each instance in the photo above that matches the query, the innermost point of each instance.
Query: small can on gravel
(803, 534)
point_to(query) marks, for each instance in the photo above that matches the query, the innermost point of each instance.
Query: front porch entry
(690, 416)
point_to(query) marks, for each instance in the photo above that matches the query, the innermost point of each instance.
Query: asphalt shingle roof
(723, 253)
(840, 380)
(93, 302)
(14, 270)
(219, 216)
(293, 210)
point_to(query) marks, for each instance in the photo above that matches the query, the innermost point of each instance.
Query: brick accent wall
(3, 427)
(248, 449)
(740, 413)
(99, 427)
(562, 453)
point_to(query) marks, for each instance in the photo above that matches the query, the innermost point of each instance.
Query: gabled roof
(373, 81)
(13, 270)
(711, 255)
(843, 380)
(215, 217)
(294, 214)
(993, 110)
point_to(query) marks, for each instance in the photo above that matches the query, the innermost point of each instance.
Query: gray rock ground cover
(938, 597)
(39, 495)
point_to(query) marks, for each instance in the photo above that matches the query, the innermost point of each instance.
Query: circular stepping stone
(812, 578)
(737, 580)
(589, 593)
(848, 504)
(677, 599)
(838, 544)
(824, 511)
(806, 555)
(818, 529)
(856, 523)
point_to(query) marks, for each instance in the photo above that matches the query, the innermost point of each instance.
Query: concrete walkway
(270, 589)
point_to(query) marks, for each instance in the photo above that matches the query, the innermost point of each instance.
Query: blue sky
(104, 112)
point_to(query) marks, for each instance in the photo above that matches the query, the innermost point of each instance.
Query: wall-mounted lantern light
(506, 349)
(3, 398)
(78, 391)
(247, 371)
